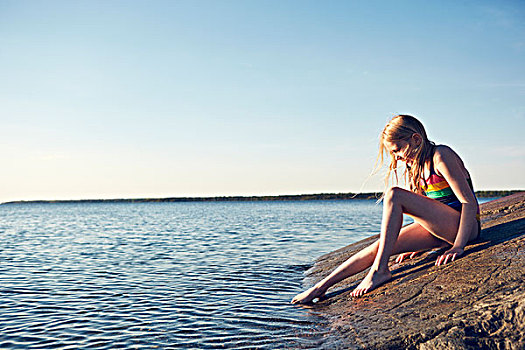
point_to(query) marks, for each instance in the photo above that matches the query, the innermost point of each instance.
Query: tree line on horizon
(298, 197)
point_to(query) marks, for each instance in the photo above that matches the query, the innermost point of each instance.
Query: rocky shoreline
(477, 302)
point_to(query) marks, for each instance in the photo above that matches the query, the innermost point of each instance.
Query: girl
(441, 201)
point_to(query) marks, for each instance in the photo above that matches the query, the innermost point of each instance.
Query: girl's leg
(411, 238)
(436, 218)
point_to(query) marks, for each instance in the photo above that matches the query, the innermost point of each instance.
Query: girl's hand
(404, 256)
(449, 256)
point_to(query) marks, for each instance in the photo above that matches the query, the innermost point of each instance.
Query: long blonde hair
(401, 128)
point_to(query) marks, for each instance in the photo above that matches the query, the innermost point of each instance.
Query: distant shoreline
(298, 197)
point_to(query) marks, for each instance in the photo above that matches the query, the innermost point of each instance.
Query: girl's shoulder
(444, 153)
(445, 156)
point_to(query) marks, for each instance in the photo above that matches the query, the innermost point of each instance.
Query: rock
(477, 302)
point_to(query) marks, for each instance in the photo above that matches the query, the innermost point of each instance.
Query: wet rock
(477, 302)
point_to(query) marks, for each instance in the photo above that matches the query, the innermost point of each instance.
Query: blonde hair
(402, 128)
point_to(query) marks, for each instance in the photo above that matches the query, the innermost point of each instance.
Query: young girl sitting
(441, 201)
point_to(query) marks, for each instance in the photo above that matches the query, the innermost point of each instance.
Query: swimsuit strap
(431, 168)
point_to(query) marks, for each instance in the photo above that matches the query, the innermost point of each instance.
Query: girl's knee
(394, 194)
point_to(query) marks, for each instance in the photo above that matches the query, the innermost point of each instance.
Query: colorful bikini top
(436, 187)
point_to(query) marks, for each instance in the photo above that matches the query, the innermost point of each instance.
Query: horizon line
(282, 197)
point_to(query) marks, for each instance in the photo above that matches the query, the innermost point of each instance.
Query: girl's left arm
(450, 166)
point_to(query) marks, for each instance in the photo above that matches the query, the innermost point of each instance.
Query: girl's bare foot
(373, 280)
(308, 295)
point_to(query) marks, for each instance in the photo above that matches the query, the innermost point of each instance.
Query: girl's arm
(448, 164)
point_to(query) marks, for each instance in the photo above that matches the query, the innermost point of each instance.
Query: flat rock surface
(476, 302)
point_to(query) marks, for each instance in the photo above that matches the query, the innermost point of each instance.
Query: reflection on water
(167, 275)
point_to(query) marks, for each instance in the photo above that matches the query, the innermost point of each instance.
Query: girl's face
(401, 150)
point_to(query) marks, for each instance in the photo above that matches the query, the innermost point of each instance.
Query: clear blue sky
(106, 99)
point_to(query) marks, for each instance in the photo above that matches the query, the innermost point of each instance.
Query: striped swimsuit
(436, 187)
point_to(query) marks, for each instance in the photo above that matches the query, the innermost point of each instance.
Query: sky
(132, 99)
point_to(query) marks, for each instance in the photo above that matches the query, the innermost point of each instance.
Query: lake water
(168, 275)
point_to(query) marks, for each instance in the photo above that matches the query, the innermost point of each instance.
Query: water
(167, 275)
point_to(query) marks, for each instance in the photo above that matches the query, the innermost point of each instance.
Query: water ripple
(167, 275)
